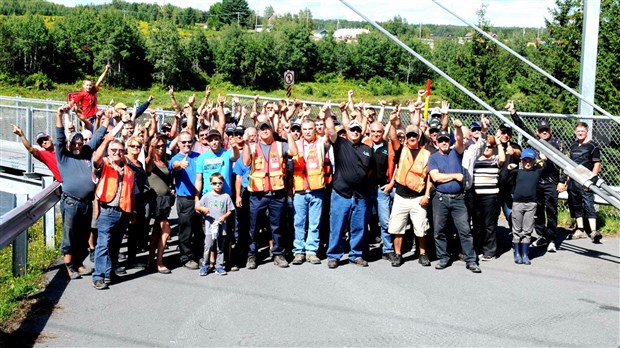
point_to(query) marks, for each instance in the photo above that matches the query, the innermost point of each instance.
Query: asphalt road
(570, 298)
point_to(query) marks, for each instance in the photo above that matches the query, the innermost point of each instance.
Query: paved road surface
(570, 298)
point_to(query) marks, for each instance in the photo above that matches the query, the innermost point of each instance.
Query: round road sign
(289, 77)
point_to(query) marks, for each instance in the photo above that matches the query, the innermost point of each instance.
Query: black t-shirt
(585, 154)
(354, 165)
(525, 184)
(505, 184)
(403, 190)
(380, 154)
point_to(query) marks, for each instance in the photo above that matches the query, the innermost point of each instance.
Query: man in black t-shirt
(581, 200)
(513, 155)
(351, 186)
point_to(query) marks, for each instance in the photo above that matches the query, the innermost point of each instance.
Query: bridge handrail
(14, 222)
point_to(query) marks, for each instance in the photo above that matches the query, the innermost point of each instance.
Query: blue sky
(526, 13)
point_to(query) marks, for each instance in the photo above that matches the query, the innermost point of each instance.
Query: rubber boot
(525, 251)
(517, 253)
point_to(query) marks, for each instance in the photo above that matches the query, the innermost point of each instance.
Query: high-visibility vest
(266, 172)
(308, 171)
(412, 172)
(391, 156)
(108, 185)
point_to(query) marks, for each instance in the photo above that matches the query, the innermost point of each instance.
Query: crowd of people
(309, 187)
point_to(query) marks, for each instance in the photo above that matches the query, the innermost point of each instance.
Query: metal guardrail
(14, 224)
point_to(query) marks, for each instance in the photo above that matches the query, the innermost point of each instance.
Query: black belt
(449, 195)
(83, 200)
(105, 206)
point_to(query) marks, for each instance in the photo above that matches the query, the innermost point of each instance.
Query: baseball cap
(41, 135)
(475, 124)
(296, 124)
(226, 111)
(435, 111)
(264, 123)
(505, 127)
(120, 106)
(239, 129)
(443, 134)
(353, 124)
(434, 124)
(230, 130)
(214, 132)
(412, 129)
(528, 153)
(166, 125)
(543, 124)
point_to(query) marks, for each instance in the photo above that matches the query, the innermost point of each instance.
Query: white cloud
(525, 13)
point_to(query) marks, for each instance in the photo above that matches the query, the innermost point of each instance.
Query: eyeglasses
(120, 151)
(476, 129)
(203, 135)
(185, 142)
(443, 140)
(134, 146)
(355, 130)
(217, 183)
(412, 135)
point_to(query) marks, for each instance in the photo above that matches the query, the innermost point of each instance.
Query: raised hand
(17, 131)
(510, 106)
(171, 90)
(445, 106)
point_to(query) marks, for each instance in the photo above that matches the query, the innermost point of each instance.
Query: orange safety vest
(108, 185)
(412, 173)
(266, 172)
(391, 155)
(308, 172)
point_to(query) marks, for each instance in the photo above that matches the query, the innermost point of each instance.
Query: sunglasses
(543, 130)
(490, 147)
(476, 129)
(355, 130)
(160, 146)
(238, 134)
(134, 146)
(443, 140)
(203, 135)
(296, 130)
(412, 135)
(217, 183)
(185, 142)
(433, 131)
(120, 151)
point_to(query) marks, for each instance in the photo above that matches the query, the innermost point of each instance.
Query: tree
(165, 53)
(229, 52)
(235, 11)
(296, 51)
(198, 52)
(30, 43)
(214, 21)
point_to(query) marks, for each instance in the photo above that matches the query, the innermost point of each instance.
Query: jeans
(208, 243)
(352, 211)
(307, 206)
(76, 219)
(383, 203)
(275, 204)
(547, 209)
(487, 213)
(111, 225)
(505, 202)
(190, 229)
(581, 202)
(445, 206)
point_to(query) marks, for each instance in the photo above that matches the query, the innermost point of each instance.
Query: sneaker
(423, 260)
(100, 285)
(163, 270)
(579, 233)
(486, 258)
(280, 261)
(596, 237)
(389, 256)
(191, 264)
(539, 242)
(203, 270)
(220, 271)
(441, 265)
(313, 259)
(251, 264)
(474, 268)
(73, 273)
(397, 260)
(551, 247)
(83, 271)
(332, 264)
(234, 268)
(361, 262)
(299, 259)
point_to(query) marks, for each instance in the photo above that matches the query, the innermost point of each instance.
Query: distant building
(319, 34)
(349, 35)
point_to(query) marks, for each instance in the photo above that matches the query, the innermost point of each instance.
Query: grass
(14, 290)
(607, 219)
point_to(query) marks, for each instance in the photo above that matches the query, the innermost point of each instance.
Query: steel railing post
(20, 244)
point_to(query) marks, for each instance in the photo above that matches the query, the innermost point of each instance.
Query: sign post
(289, 80)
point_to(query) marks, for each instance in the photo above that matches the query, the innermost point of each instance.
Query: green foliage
(165, 54)
(235, 12)
(21, 7)
(38, 81)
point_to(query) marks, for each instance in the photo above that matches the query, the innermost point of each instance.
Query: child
(524, 203)
(87, 96)
(216, 206)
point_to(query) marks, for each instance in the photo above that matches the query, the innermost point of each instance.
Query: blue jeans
(76, 219)
(275, 205)
(383, 203)
(352, 211)
(111, 225)
(445, 206)
(307, 205)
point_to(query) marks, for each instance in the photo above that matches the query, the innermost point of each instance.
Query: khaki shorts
(402, 210)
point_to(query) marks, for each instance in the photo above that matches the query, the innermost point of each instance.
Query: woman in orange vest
(115, 194)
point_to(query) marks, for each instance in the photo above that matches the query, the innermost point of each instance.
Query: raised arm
(221, 118)
(382, 112)
(101, 151)
(458, 146)
(394, 116)
(173, 100)
(445, 106)
(190, 115)
(330, 128)
(18, 131)
(103, 75)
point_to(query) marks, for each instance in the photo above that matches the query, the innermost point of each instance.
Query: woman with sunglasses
(160, 180)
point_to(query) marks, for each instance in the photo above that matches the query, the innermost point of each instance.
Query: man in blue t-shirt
(216, 160)
(446, 172)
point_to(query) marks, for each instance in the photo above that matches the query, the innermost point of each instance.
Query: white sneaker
(551, 247)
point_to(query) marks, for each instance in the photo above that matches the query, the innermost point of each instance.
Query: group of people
(312, 184)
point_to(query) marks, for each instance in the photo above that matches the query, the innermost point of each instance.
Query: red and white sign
(289, 77)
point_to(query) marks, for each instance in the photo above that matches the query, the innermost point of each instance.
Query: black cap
(214, 132)
(434, 124)
(239, 129)
(443, 134)
(543, 124)
(166, 125)
(505, 127)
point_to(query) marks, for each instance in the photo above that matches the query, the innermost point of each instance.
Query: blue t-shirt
(242, 170)
(184, 179)
(447, 164)
(209, 163)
